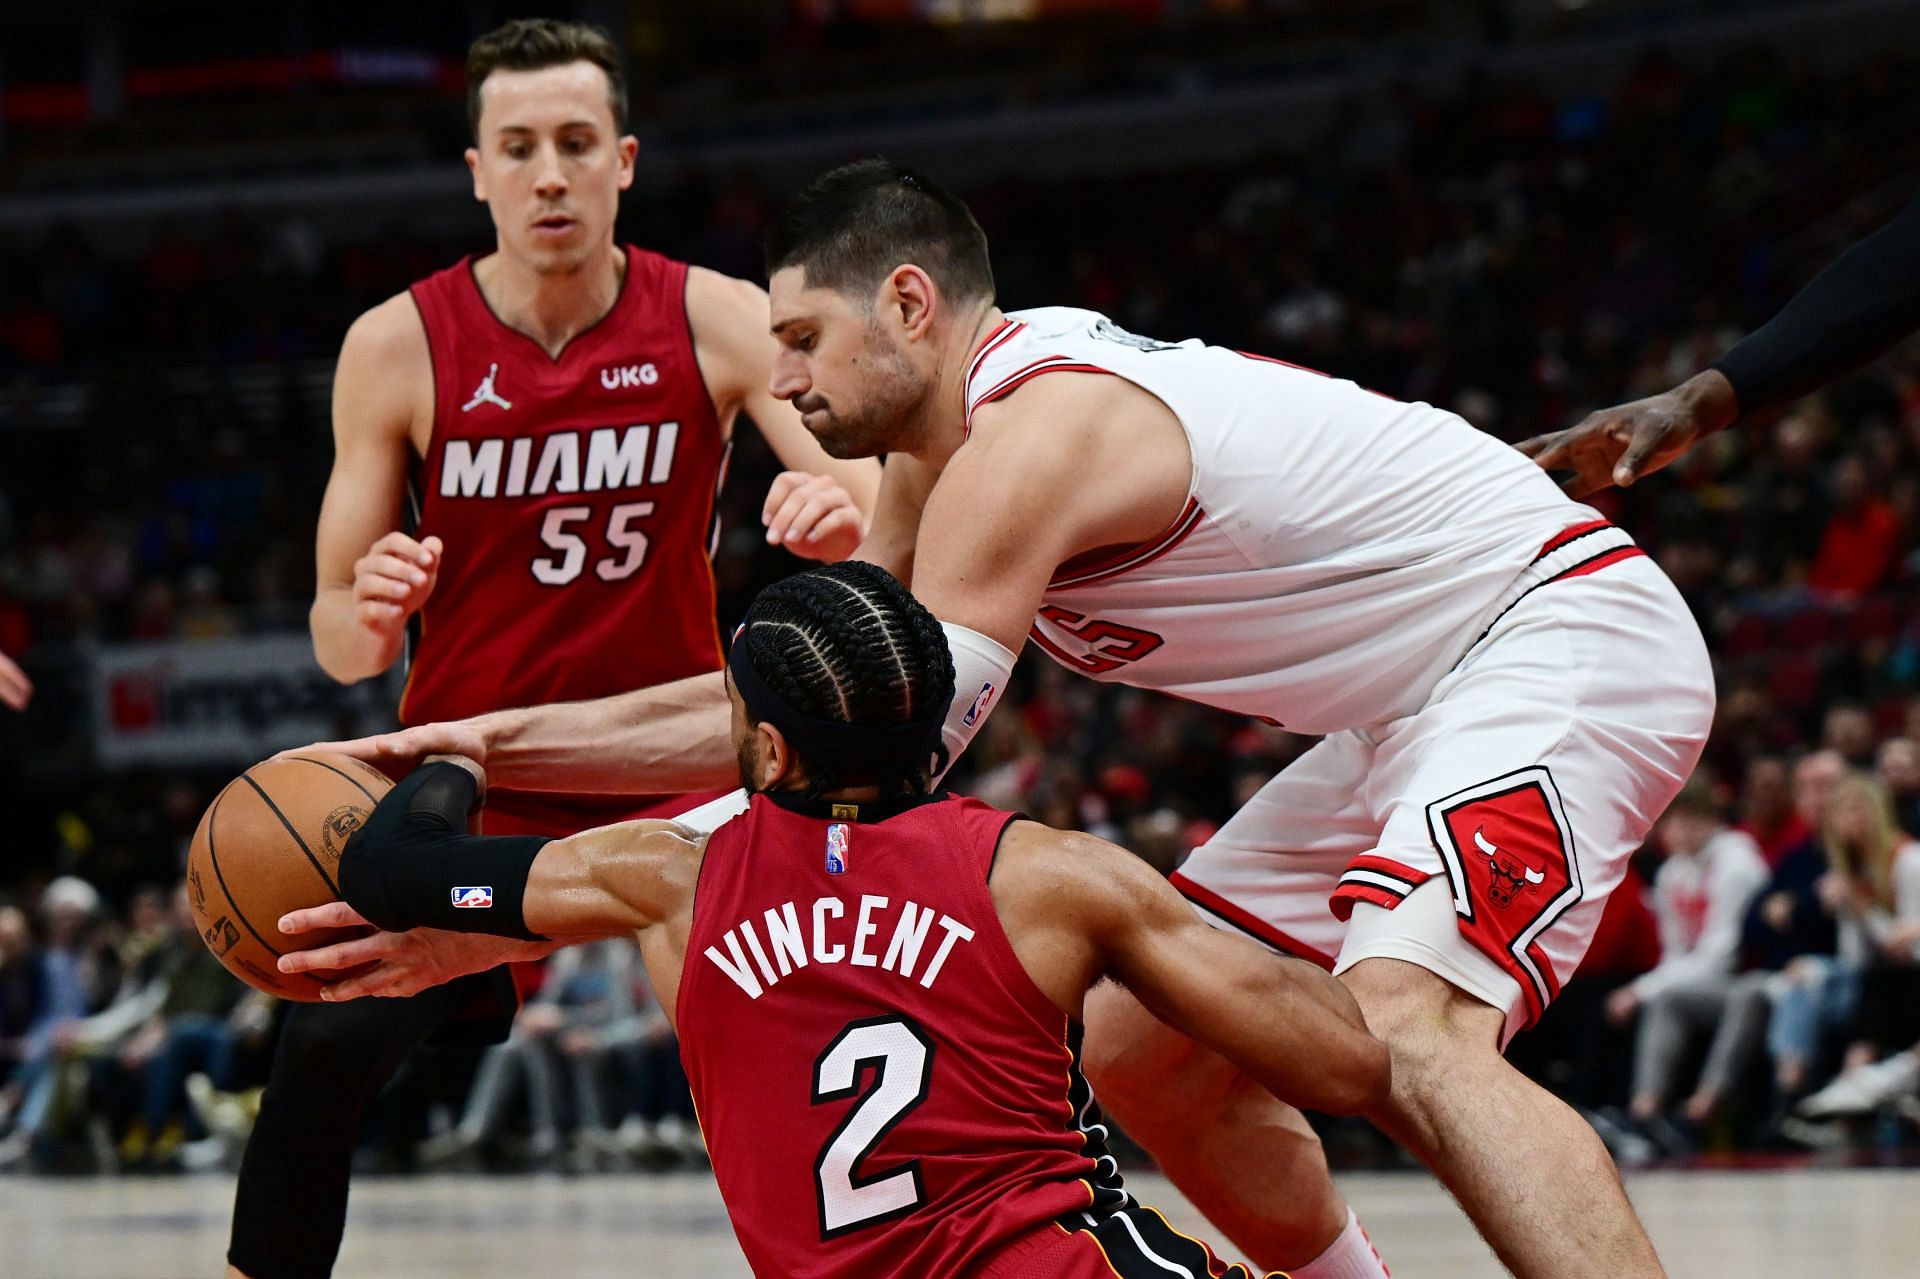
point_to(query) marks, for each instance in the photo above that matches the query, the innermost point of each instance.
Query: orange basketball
(271, 843)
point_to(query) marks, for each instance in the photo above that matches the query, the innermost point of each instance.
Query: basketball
(271, 843)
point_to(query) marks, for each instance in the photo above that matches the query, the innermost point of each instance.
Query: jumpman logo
(486, 394)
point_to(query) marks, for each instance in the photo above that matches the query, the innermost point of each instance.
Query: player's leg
(1249, 1163)
(1511, 803)
(290, 1208)
(1532, 1175)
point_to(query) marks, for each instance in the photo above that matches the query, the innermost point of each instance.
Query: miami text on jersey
(615, 458)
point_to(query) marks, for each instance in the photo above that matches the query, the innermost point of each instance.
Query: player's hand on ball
(812, 516)
(399, 753)
(401, 964)
(393, 579)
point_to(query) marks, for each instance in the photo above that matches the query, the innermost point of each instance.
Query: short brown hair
(848, 229)
(533, 44)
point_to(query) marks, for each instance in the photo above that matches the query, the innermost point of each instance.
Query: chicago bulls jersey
(575, 498)
(883, 1089)
(1339, 551)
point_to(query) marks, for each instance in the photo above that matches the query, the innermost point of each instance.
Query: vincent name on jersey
(615, 458)
(836, 937)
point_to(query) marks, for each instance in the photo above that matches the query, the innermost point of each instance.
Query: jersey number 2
(630, 542)
(902, 1059)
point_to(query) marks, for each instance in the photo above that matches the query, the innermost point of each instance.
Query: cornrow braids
(848, 643)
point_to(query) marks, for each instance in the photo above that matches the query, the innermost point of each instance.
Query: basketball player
(1509, 691)
(1865, 300)
(881, 1011)
(563, 408)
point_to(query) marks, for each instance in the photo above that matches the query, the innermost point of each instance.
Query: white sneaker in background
(1864, 1089)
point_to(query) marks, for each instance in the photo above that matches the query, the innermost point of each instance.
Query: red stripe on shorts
(1242, 919)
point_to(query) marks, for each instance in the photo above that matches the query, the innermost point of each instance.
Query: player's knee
(1431, 1028)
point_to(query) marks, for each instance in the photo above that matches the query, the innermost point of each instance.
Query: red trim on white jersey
(1013, 381)
(1136, 556)
(1008, 330)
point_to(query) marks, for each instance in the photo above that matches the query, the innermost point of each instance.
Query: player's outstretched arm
(412, 865)
(821, 507)
(370, 577)
(1283, 1021)
(1867, 299)
(665, 740)
(1623, 443)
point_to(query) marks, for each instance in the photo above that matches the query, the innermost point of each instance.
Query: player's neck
(944, 429)
(552, 309)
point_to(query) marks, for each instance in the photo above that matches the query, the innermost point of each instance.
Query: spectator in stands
(185, 1022)
(1872, 892)
(1898, 766)
(73, 971)
(660, 1123)
(22, 989)
(1767, 810)
(1861, 542)
(1700, 895)
(587, 987)
(1847, 731)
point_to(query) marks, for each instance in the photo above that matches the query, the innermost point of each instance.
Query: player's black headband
(835, 746)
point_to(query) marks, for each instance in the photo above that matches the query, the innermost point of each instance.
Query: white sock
(1351, 1256)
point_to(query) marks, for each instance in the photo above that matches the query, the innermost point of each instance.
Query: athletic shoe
(1864, 1089)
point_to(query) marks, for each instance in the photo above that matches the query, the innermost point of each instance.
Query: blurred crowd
(125, 1045)
(1517, 255)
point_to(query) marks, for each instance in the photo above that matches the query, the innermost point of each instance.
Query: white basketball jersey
(1339, 551)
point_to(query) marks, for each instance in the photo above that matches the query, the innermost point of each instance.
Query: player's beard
(890, 398)
(747, 746)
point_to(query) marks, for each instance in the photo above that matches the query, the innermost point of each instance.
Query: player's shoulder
(1070, 870)
(389, 337)
(723, 304)
(1054, 423)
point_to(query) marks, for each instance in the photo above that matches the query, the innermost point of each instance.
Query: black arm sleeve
(1866, 300)
(412, 865)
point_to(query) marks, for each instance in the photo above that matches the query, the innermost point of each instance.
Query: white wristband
(981, 666)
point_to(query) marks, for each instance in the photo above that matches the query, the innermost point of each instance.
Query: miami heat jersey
(575, 498)
(1339, 551)
(883, 1089)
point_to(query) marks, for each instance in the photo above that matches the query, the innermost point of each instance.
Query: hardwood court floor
(1709, 1225)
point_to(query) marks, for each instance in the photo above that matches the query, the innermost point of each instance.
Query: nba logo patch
(981, 701)
(478, 897)
(837, 849)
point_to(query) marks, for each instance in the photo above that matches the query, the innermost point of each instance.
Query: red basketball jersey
(883, 1089)
(575, 498)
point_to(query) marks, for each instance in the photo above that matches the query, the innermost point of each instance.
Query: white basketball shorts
(1480, 836)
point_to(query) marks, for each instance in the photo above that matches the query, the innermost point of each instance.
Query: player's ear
(911, 298)
(473, 167)
(627, 148)
(777, 760)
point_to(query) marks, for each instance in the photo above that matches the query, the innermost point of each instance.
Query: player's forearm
(1861, 304)
(346, 649)
(664, 740)
(1293, 1029)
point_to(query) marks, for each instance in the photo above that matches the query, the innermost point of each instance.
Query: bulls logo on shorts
(1510, 860)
